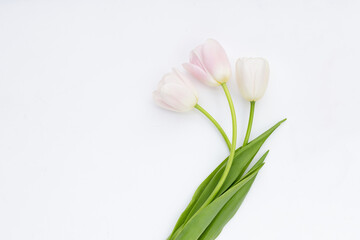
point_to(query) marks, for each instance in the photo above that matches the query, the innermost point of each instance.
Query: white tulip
(176, 93)
(252, 75)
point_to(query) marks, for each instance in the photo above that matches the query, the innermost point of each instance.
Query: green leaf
(244, 156)
(242, 159)
(231, 207)
(201, 220)
(195, 197)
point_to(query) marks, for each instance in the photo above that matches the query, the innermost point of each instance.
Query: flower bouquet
(220, 195)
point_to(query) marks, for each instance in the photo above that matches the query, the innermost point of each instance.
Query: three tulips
(209, 64)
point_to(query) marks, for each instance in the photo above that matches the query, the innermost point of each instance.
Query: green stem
(221, 130)
(251, 117)
(217, 125)
(232, 151)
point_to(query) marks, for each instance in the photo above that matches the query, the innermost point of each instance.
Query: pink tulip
(176, 93)
(209, 63)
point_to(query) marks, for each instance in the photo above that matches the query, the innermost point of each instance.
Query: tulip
(209, 63)
(252, 75)
(176, 93)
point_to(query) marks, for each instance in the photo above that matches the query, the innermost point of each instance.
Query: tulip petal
(175, 92)
(216, 61)
(186, 81)
(160, 102)
(169, 78)
(245, 87)
(200, 74)
(178, 97)
(196, 57)
(261, 79)
(252, 75)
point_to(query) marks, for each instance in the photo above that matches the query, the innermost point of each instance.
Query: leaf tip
(283, 120)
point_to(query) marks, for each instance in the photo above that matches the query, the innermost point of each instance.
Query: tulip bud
(252, 75)
(176, 93)
(209, 63)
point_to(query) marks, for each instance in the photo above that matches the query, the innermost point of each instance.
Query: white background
(86, 154)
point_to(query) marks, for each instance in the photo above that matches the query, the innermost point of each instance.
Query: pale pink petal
(199, 74)
(196, 58)
(160, 102)
(186, 81)
(175, 92)
(178, 97)
(216, 61)
(169, 78)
